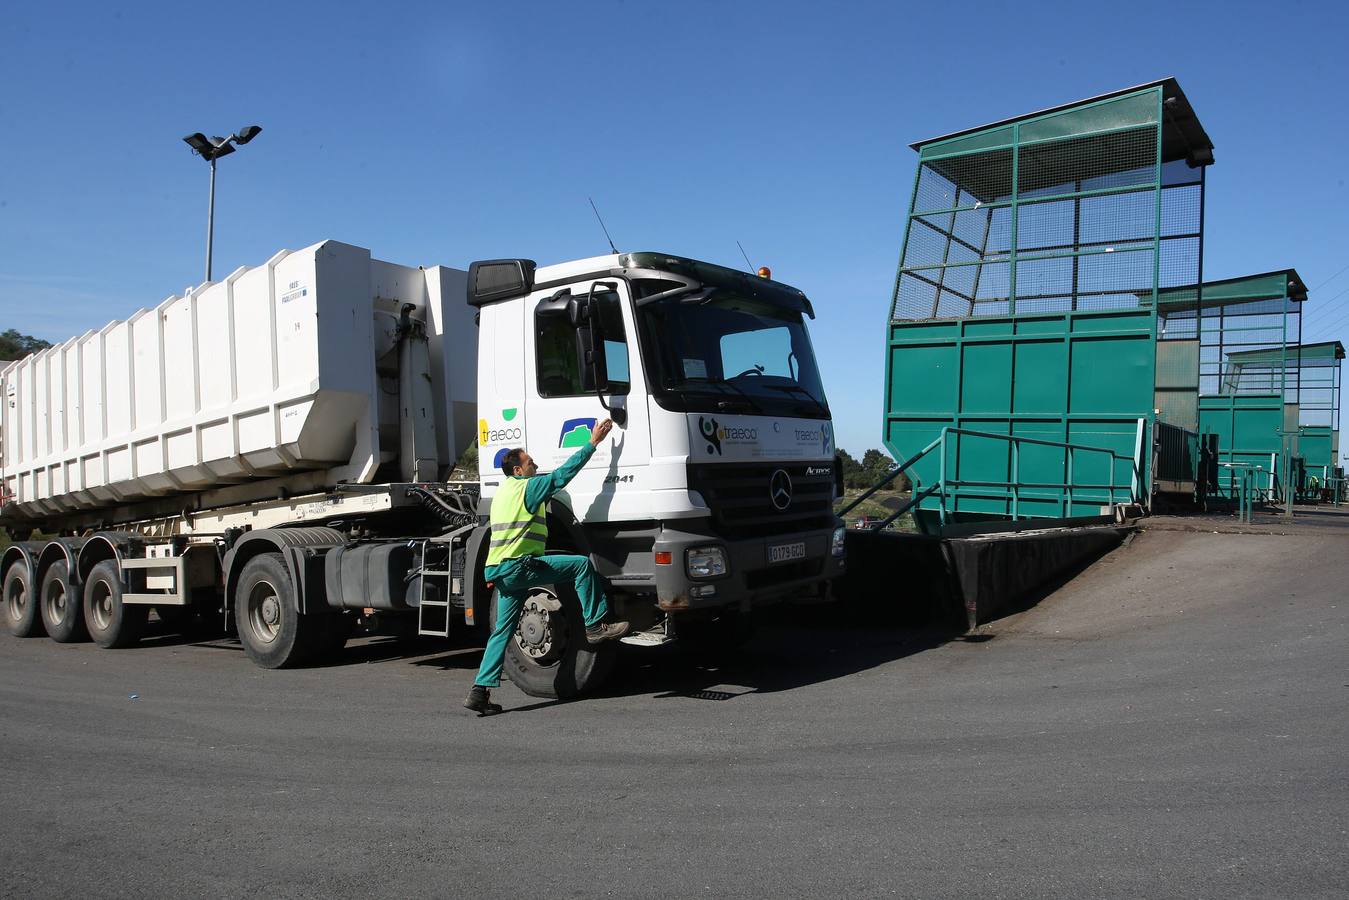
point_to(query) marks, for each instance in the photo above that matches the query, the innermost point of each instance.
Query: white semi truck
(269, 453)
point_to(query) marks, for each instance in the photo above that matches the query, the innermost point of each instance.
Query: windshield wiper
(750, 401)
(788, 388)
(744, 398)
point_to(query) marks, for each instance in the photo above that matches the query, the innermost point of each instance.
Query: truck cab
(716, 489)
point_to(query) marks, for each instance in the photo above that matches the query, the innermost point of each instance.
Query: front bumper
(750, 577)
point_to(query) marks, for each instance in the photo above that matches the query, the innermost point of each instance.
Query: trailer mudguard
(303, 550)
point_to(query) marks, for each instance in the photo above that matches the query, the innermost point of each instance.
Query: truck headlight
(706, 562)
(837, 546)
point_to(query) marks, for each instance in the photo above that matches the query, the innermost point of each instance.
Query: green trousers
(513, 586)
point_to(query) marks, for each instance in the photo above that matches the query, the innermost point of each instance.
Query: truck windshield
(728, 352)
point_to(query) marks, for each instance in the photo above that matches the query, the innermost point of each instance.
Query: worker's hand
(601, 432)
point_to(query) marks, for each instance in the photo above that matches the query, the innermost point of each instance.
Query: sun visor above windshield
(711, 275)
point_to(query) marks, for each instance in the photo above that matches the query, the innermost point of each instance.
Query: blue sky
(443, 132)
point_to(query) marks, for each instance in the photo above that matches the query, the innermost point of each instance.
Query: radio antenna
(746, 255)
(606, 230)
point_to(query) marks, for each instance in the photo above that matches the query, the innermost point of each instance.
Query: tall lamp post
(211, 149)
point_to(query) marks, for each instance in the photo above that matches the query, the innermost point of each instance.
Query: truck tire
(21, 606)
(111, 623)
(559, 662)
(274, 634)
(62, 611)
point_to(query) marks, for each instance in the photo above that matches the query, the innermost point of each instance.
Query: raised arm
(541, 488)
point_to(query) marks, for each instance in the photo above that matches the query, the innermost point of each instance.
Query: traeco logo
(714, 433)
(489, 435)
(708, 428)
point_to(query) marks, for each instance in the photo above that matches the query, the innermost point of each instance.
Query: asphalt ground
(1171, 722)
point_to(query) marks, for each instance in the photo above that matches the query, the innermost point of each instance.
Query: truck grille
(742, 505)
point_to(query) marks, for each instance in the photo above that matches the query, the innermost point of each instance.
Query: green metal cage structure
(1319, 373)
(1285, 408)
(1249, 330)
(1027, 366)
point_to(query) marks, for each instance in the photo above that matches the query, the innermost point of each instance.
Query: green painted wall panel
(1040, 326)
(985, 385)
(1314, 444)
(1112, 375)
(1247, 426)
(988, 327)
(1127, 321)
(924, 379)
(1039, 387)
(921, 331)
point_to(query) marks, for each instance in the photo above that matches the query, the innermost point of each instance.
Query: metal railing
(1247, 491)
(942, 487)
(1335, 487)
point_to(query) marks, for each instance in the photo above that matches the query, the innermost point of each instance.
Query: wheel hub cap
(539, 633)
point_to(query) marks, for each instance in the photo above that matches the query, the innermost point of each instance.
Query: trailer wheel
(274, 634)
(548, 656)
(62, 611)
(21, 608)
(111, 623)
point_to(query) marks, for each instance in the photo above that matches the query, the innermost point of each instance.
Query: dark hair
(511, 460)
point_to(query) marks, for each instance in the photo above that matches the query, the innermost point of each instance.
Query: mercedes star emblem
(780, 489)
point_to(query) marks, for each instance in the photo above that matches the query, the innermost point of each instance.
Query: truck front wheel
(274, 633)
(21, 610)
(62, 611)
(548, 655)
(111, 623)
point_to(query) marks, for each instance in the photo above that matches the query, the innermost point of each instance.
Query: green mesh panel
(1065, 212)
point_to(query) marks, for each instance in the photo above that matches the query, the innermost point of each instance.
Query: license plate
(787, 552)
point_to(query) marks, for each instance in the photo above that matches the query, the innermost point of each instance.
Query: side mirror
(591, 337)
(578, 310)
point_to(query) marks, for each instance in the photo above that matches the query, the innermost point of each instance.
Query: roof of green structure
(1281, 284)
(1183, 137)
(1327, 353)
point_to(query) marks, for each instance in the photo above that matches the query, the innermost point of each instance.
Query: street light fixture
(211, 149)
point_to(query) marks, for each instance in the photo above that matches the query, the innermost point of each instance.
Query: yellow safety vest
(516, 531)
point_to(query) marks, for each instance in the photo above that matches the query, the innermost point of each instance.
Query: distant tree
(852, 470)
(14, 345)
(466, 467)
(874, 466)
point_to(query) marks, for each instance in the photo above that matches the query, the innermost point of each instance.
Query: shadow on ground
(791, 647)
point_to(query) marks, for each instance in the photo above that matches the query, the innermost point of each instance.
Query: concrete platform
(1316, 519)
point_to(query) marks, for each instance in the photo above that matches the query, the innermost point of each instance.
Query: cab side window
(559, 351)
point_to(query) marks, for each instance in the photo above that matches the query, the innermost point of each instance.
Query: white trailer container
(288, 367)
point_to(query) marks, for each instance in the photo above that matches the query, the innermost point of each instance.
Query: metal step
(661, 634)
(437, 624)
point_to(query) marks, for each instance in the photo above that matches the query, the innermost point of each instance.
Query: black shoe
(605, 631)
(480, 701)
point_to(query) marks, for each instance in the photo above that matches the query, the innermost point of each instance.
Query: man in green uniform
(516, 562)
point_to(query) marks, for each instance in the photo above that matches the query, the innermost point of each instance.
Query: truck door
(562, 406)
